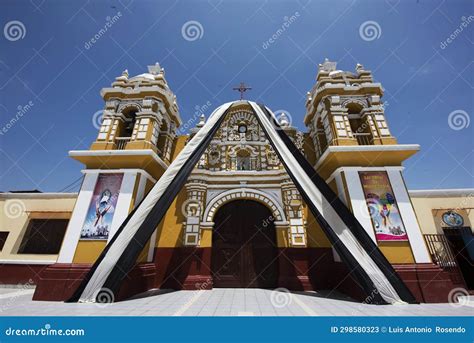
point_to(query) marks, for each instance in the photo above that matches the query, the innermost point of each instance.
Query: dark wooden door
(461, 241)
(244, 250)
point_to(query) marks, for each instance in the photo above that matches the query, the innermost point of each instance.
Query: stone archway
(243, 193)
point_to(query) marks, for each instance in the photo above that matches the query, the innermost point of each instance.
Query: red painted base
(183, 268)
(428, 282)
(300, 269)
(13, 274)
(59, 281)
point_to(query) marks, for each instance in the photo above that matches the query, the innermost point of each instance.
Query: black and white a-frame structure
(362, 256)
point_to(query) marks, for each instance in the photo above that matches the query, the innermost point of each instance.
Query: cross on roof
(242, 88)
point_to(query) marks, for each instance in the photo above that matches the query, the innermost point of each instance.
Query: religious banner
(383, 207)
(102, 207)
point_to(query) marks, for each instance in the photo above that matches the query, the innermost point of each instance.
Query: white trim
(417, 243)
(123, 202)
(247, 175)
(340, 187)
(123, 170)
(146, 152)
(10, 195)
(48, 262)
(242, 185)
(434, 193)
(358, 202)
(363, 148)
(224, 197)
(343, 169)
(278, 225)
(73, 232)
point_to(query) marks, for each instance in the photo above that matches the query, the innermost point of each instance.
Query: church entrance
(244, 249)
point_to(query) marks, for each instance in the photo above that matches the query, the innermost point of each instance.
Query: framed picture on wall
(102, 207)
(382, 206)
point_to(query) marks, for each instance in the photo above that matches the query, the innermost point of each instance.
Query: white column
(417, 243)
(358, 202)
(123, 202)
(78, 217)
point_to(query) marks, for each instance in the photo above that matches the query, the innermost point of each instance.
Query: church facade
(239, 221)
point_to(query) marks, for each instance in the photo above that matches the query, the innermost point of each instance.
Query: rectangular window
(3, 238)
(43, 236)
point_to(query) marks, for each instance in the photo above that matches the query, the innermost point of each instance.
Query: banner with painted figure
(383, 207)
(102, 207)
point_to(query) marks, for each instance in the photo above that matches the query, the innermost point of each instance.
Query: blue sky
(51, 69)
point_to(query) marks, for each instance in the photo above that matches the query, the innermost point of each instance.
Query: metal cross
(242, 88)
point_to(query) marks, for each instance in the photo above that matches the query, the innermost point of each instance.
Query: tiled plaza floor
(221, 302)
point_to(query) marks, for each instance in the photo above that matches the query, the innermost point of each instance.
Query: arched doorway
(244, 249)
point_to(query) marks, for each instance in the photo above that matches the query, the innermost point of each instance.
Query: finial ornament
(283, 120)
(155, 69)
(202, 120)
(328, 66)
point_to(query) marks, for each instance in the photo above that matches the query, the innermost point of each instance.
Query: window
(359, 126)
(43, 236)
(129, 124)
(3, 238)
(243, 160)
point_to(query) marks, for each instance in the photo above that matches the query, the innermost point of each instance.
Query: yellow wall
(88, 251)
(397, 252)
(170, 232)
(17, 209)
(429, 209)
(316, 238)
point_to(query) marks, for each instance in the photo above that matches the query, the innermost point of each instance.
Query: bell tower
(361, 160)
(133, 148)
